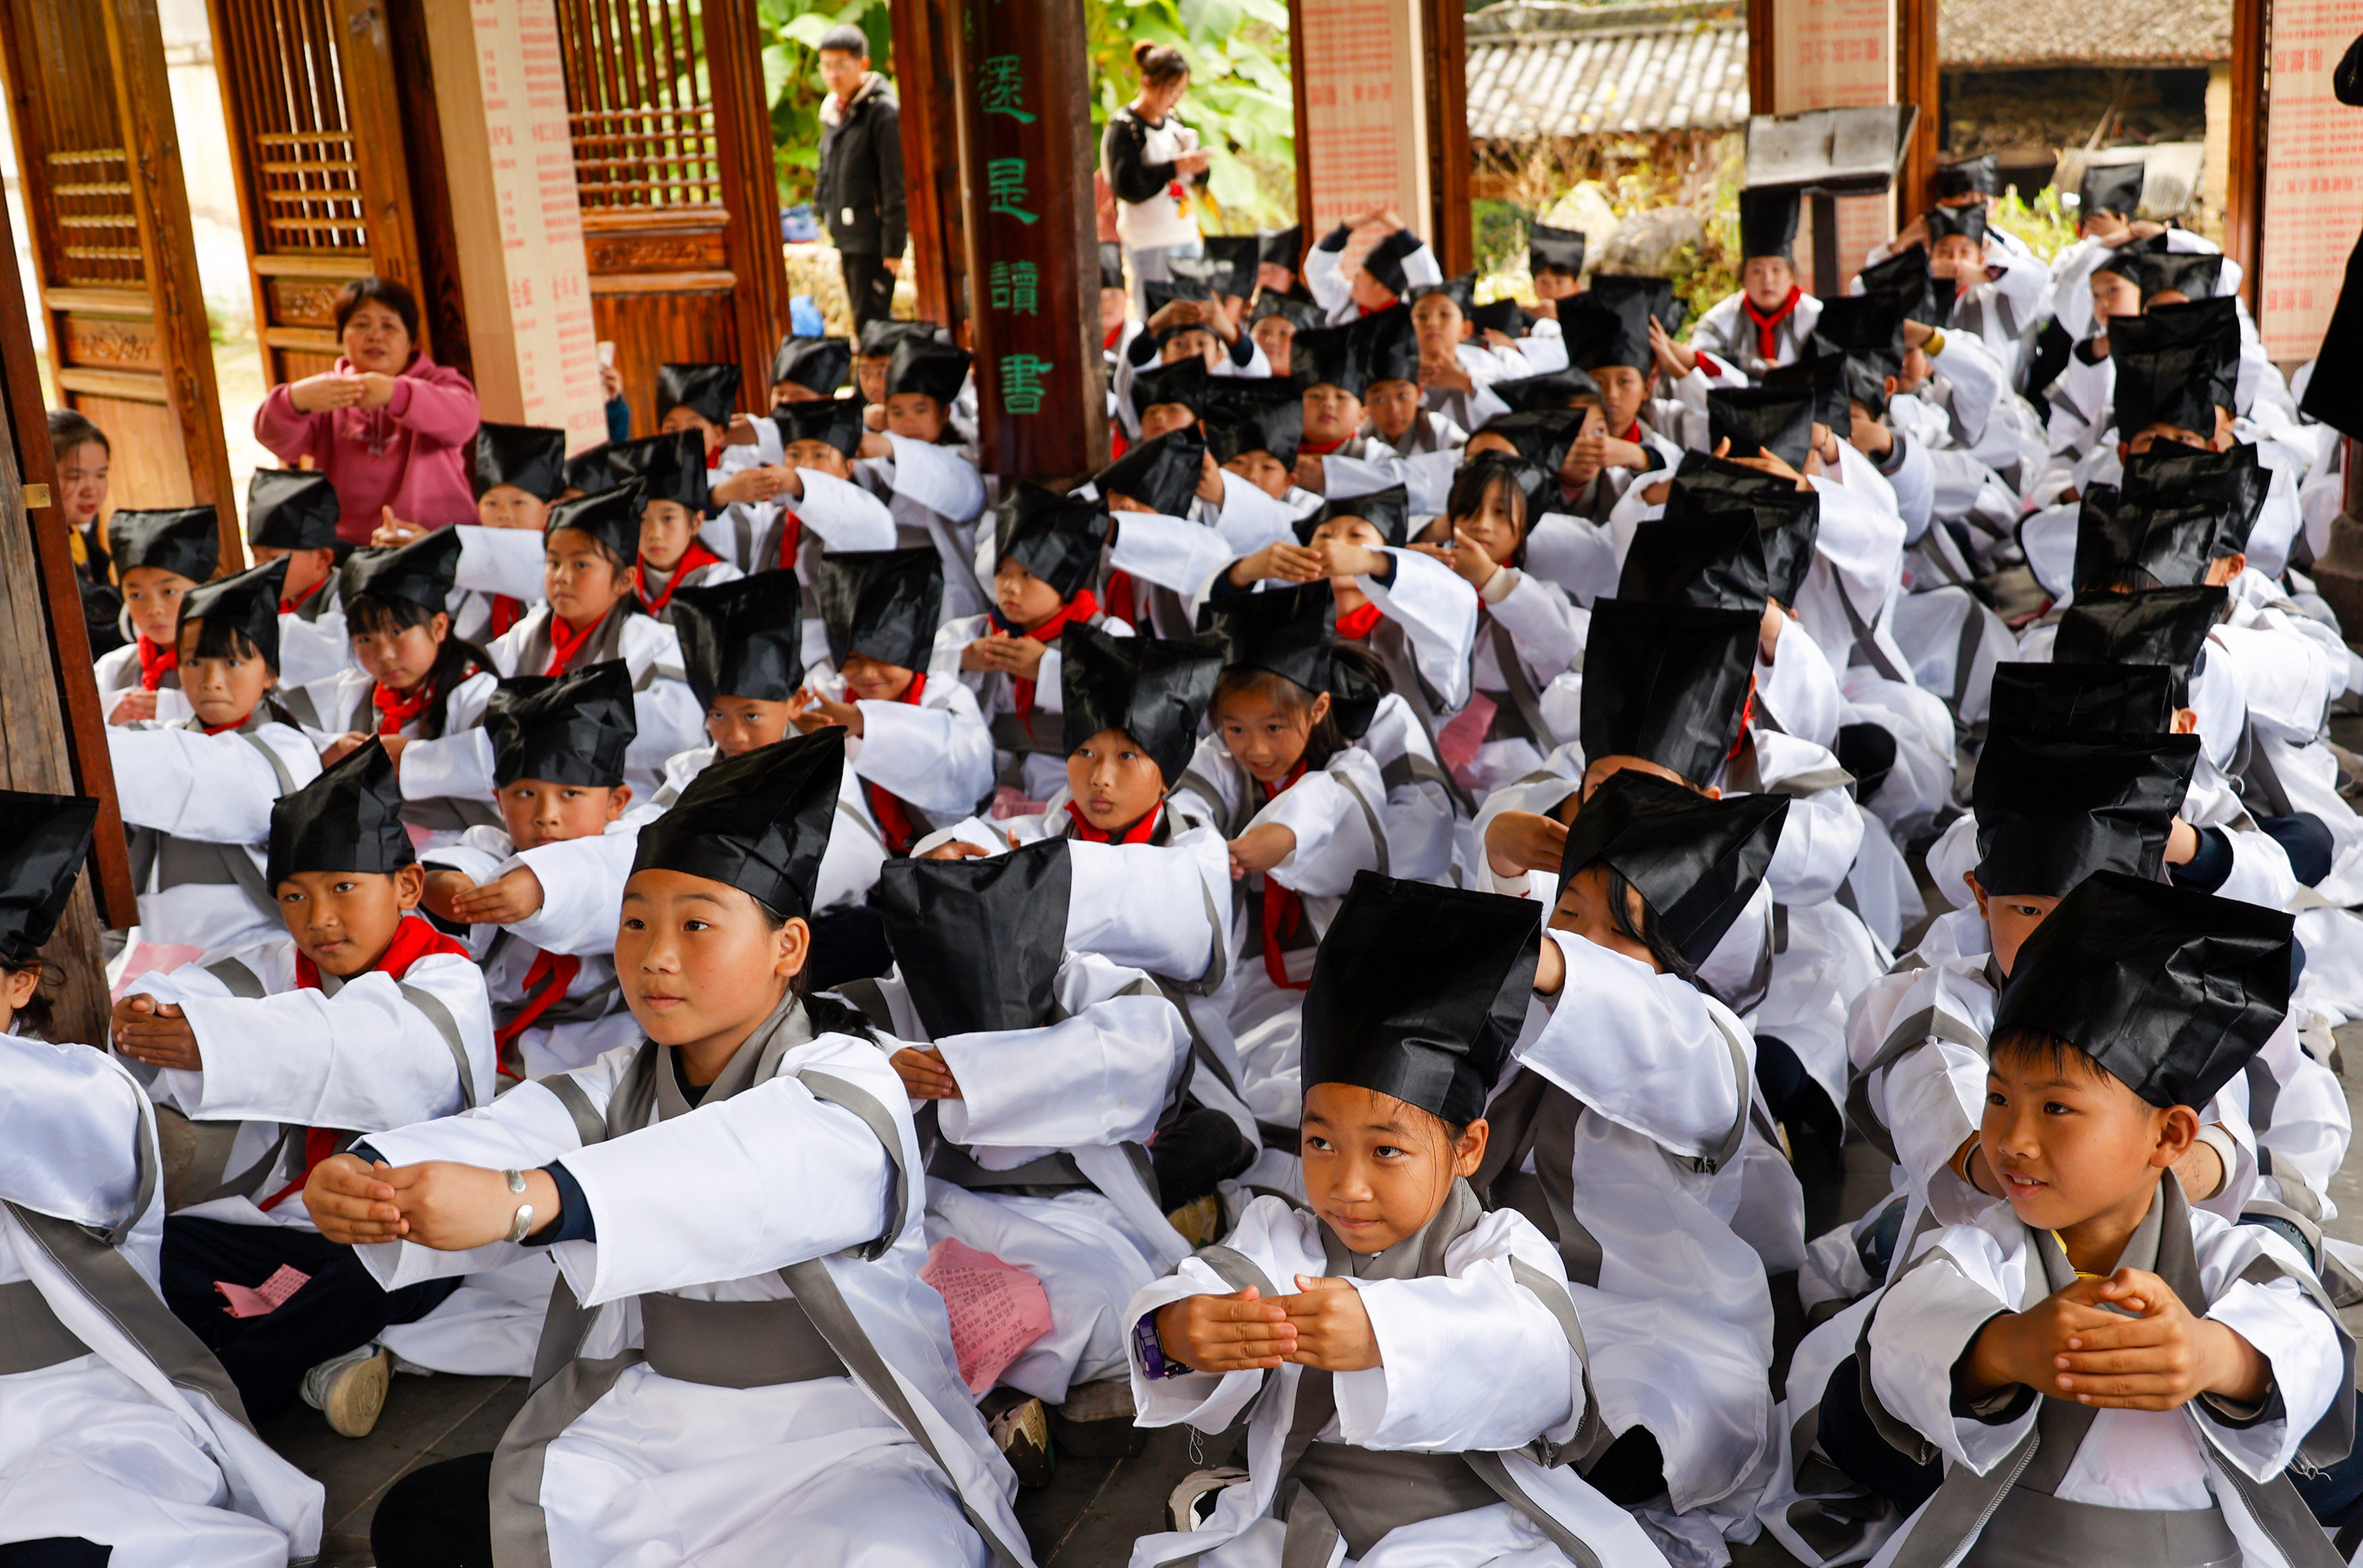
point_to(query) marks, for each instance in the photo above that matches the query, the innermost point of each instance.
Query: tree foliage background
(1240, 100)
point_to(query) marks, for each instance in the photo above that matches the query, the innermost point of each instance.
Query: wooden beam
(931, 175)
(1023, 84)
(1303, 139)
(1918, 80)
(1451, 227)
(160, 200)
(52, 732)
(742, 134)
(2244, 204)
(1760, 94)
(434, 226)
(374, 102)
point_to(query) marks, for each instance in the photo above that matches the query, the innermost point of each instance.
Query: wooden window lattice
(98, 232)
(644, 131)
(283, 67)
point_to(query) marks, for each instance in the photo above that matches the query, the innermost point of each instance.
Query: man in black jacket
(861, 195)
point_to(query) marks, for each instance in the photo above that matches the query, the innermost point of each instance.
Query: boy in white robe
(1335, 367)
(197, 796)
(1414, 1370)
(800, 1373)
(674, 502)
(933, 489)
(2163, 1370)
(120, 1439)
(276, 1056)
(158, 556)
(1770, 319)
(294, 513)
(1399, 262)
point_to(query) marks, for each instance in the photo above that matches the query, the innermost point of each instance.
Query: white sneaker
(350, 1389)
(1192, 1502)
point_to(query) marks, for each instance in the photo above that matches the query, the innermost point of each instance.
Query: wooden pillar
(742, 132)
(2244, 207)
(1833, 54)
(53, 734)
(1451, 231)
(112, 248)
(925, 45)
(1025, 157)
(1918, 80)
(507, 151)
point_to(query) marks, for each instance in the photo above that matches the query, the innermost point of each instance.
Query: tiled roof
(1546, 68)
(2136, 33)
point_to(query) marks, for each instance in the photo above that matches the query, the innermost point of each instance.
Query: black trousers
(869, 287)
(55, 1551)
(339, 1308)
(439, 1515)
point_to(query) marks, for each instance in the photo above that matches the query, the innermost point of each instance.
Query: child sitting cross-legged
(2107, 1376)
(1411, 1365)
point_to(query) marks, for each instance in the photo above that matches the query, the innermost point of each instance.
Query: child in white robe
(197, 796)
(1040, 1078)
(120, 1439)
(932, 487)
(520, 473)
(801, 1375)
(158, 556)
(1414, 1370)
(362, 1017)
(674, 501)
(2162, 1371)
(293, 513)
(415, 684)
(1770, 319)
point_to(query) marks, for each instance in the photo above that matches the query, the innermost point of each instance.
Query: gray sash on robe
(2010, 1516)
(1328, 1490)
(161, 861)
(738, 1344)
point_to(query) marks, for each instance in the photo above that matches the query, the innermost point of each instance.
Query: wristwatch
(523, 1223)
(1154, 1364)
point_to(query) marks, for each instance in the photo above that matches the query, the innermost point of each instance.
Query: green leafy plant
(1240, 99)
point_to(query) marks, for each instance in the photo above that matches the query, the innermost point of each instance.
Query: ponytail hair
(1161, 64)
(453, 659)
(1649, 931)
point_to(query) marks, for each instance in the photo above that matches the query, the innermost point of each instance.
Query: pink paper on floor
(266, 1298)
(151, 958)
(996, 1310)
(1456, 741)
(1008, 800)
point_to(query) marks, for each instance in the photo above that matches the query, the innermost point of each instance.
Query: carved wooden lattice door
(681, 208)
(309, 89)
(111, 244)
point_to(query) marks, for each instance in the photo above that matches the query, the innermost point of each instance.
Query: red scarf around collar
(1320, 449)
(395, 710)
(155, 663)
(289, 607)
(564, 644)
(696, 555)
(1077, 611)
(547, 981)
(413, 939)
(1283, 910)
(894, 823)
(237, 723)
(1355, 625)
(792, 536)
(1136, 833)
(1768, 327)
(506, 613)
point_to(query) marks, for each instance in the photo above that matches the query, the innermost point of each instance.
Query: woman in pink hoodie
(388, 425)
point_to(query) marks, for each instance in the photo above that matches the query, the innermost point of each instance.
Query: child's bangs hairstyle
(616, 558)
(2042, 1050)
(1476, 481)
(1650, 930)
(387, 614)
(218, 636)
(1323, 739)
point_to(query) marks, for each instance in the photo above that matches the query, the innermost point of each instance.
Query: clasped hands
(1325, 1326)
(2072, 1345)
(436, 1203)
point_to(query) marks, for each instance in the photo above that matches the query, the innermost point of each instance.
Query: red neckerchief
(1136, 833)
(792, 536)
(1320, 449)
(1077, 611)
(155, 663)
(1117, 445)
(1747, 723)
(506, 613)
(239, 722)
(394, 711)
(1124, 597)
(564, 646)
(547, 981)
(1633, 434)
(288, 606)
(1109, 341)
(712, 459)
(894, 823)
(696, 555)
(1355, 625)
(413, 939)
(1768, 327)
(1283, 912)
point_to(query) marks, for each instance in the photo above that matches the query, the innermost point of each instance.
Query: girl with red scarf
(159, 557)
(1047, 550)
(673, 505)
(362, 1017)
